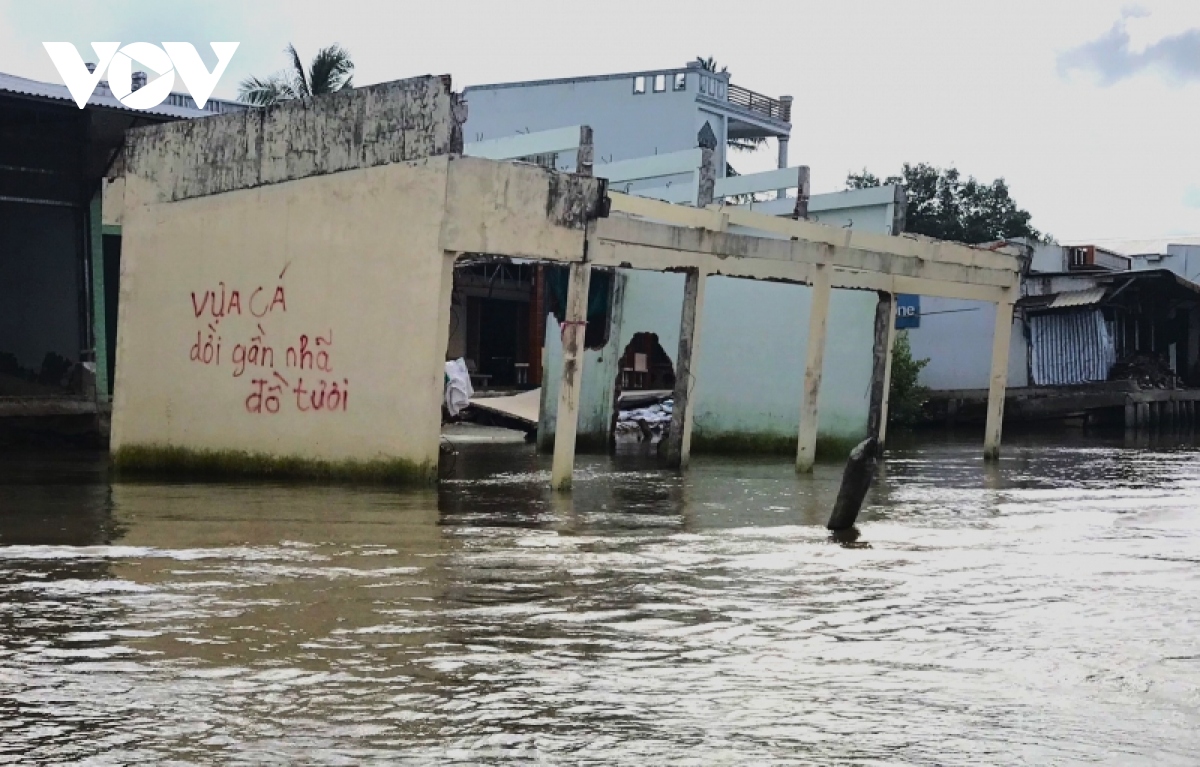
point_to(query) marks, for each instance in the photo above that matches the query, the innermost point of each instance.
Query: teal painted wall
(750, 372)
(750, 368)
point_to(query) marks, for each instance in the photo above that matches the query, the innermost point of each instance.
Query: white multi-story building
(635, 114)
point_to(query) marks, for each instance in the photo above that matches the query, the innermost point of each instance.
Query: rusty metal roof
(1077, 298)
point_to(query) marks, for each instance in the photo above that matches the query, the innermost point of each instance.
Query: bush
(906, 396)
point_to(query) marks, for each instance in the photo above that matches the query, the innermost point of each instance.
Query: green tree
(942, 205)
(906, 396)
(330, 71)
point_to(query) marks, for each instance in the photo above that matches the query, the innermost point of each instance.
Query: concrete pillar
(806, 448)
(679, 438)
(783, 147)
(1130, 415)
(998, 382)
(887, 370)
(1143, 416)
(585, 159)
(706, 178)
(803, 191)
(573, 327)
(95, 219)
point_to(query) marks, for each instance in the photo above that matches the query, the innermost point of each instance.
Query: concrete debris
(655, 418)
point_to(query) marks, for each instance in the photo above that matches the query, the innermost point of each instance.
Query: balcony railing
(756, 102)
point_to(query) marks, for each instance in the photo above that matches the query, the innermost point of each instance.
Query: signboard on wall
(908, 311)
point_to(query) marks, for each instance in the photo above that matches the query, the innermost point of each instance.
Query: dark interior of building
(43, 293)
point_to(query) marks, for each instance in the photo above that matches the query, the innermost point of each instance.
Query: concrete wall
(332, 279)
(750, 369)
(39, 283)
(750, 372)
(956, 337)
(283, 313)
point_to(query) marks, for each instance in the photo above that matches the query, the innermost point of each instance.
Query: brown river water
(1043, 611)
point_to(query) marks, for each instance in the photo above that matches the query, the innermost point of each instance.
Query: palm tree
(330, 71)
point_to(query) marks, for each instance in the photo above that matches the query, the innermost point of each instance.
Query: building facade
(59, 263)
(750, 372)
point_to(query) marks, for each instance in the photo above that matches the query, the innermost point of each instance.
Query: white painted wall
(956, 337)
(1183, 260)
(1048, 258)
(750, 371)
(625, 125)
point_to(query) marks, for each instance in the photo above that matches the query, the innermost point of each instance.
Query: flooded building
(640, 121)
(306, 331)
(59, 261)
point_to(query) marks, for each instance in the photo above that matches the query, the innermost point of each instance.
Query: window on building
(660, 83)
(639, 84)
(680, 81)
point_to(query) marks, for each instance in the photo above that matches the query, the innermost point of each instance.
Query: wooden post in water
(679, 436)
(573, 328)
(1001, 336)
(818, 316)
(856, 481)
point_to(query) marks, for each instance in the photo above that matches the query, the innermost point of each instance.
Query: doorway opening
(493, 318)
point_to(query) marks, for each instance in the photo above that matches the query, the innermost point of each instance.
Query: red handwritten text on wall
(285, 374)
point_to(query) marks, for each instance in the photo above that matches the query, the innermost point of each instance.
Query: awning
(1077, 298)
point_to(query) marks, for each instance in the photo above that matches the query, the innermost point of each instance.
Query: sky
(1089, 109)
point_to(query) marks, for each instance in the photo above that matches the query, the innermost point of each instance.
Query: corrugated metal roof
(1078, 298)
(1070, 347)
(100, 98)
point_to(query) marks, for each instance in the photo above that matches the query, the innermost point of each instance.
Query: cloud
(1112, 57)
